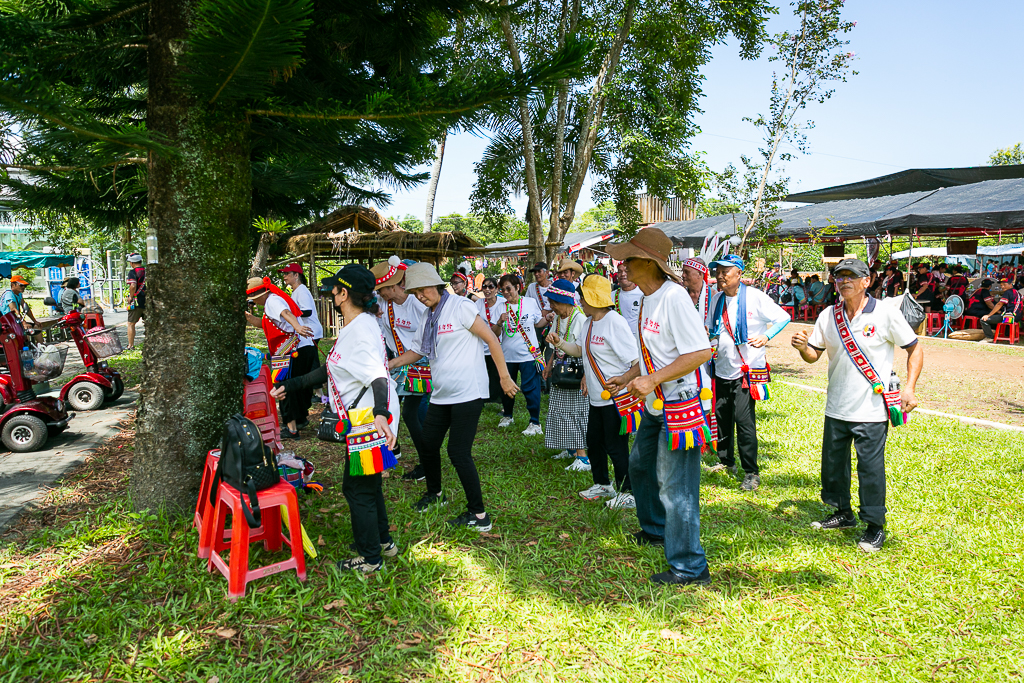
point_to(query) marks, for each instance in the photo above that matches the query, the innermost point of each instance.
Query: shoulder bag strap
(728, 328)
(394, 333)
(590, 357)
(645, 355)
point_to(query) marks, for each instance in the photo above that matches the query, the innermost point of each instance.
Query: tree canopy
(1007, 156)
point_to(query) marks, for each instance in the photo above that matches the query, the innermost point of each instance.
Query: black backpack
(246, 464)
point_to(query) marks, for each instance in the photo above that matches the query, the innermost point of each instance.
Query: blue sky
(937, 87)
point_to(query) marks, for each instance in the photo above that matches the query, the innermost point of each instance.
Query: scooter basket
(104, 342)
(46, 365)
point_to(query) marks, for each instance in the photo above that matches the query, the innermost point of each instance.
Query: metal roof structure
(911, 180)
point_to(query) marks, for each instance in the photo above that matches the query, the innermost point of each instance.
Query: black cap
(854, 265)
(539, 265)
(353, 277)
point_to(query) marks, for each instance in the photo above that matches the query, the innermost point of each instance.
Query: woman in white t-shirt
(307, 356)
(486, 307)
(453, 338)
(518, 320)
(357, 375)
(608, 343)
(567, 407)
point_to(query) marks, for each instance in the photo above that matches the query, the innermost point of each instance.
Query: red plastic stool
(934, 322)
(92, 321)
(971, 322)
(203, 504)
(791, 311)
(237, 568)
(1007, 332)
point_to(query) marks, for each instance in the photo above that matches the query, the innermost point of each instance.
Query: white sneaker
(564, 455)
(623, 501)
(505, 422)
(533, 429)
(579, 465)
(598, 491)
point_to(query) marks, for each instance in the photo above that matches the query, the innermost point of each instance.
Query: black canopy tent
(911, 180)
(692, 233)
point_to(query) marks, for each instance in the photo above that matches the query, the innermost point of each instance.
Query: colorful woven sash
(368, 451)
(755, 379)
(629, 406)
(686, 424)
(517, 323)
(892, 399)
(415, 378)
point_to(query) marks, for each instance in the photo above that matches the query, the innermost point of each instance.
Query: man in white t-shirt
(673, 346)
(855, 410)
(285, 333)
(741, 320)
(627, 298)
(535, 290)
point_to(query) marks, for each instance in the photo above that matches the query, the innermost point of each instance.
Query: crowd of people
(644, 377)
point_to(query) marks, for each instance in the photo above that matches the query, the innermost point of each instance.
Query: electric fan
(954, 309)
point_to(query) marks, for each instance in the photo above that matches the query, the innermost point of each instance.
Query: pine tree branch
(57, 121)
(112, 17)
(245, 52)
(120, 162)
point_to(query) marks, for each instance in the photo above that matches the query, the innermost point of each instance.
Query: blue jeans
(666, 485)
(529, 386)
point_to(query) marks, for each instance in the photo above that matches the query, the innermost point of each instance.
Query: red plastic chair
(791, 311)
(236, 568)
(970, 322)
(934, 321)
(209, 469)
(1007, 332)
(260, 407)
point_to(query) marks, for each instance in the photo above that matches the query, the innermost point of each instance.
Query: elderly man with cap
(741, 320)
(400, 321)
(627, 299)
(285, 335)
(136, 279)
(664, 465)
(864, 396)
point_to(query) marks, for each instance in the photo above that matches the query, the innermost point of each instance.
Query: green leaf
(240, 48)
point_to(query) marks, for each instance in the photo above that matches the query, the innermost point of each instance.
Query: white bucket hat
(134, 258)
(420, 275)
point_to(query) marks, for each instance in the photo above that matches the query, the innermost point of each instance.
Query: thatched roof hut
(362, 233)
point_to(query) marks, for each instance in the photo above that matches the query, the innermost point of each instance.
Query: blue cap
(562, 291)
(730, 261)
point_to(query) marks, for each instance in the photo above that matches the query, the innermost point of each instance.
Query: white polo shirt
(671, 327)
(627, 304)
(457, 372)
(612, 347)
(878, 330)
(762, 313)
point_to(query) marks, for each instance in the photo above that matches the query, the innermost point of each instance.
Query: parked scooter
(99, 383)
(27, 420)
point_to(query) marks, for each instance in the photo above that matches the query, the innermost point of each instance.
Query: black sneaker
(415, 474)
(359, 564)
(872, 540)
(468, 519)
(751, 482)
(671, 578)
(301, 425)
(289, 434)
(428, 500)
(643, 538)
(837, 520)
(389, 549)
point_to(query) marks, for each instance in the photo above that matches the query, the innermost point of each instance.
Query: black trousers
(411, 420)
(493, 381)
(735, 408)
(459, 422)
(295, 405)
(604, 441)
(869, 440)
(369, 514)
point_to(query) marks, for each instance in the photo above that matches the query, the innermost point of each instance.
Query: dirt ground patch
(966, 378)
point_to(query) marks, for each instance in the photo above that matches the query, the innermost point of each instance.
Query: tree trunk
(199, 205)
(435, 174)
(259, 261)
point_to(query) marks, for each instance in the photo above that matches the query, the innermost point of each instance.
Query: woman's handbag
(334, 427)
(567, 372)
(368, 451)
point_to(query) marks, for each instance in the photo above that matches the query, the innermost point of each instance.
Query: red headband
(462, 275)
(390, 274)
(696, 265)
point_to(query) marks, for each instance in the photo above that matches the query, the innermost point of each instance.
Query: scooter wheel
(85, 396)
(118, 389)
(24, 433)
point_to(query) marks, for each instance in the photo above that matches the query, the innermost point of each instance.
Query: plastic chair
(236, 568)
(934, 321)
(209, 469)
(260, 407)
(791, 311)
(1007, 332)
(970, 322)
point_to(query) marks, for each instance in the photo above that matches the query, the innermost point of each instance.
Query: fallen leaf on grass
(335, 604)
(393, 527)
(320, 540)
(409, 643)
(529, 543)
(392, 622)
(324, 510)
(488, 534)
(213, 679)
(227, 632)
(668, 634)
(92, 639)
(563, 535)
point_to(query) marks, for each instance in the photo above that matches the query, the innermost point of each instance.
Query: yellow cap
(596, 290)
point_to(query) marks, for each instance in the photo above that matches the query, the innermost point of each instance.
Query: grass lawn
(91, 591)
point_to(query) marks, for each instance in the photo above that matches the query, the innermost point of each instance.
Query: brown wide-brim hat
(651, 244)
(387, 273)
(569, 264)
(255, 288)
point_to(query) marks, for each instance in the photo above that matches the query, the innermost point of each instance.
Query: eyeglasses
(508, 289)
(846, 278)
(488, 287)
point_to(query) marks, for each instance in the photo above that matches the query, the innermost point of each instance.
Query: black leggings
(295, 405)
(369, 513)
(411, 420)
(461, 419)
(604, 440)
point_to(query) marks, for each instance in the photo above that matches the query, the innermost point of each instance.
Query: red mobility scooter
(27, 420)
(99, 383)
